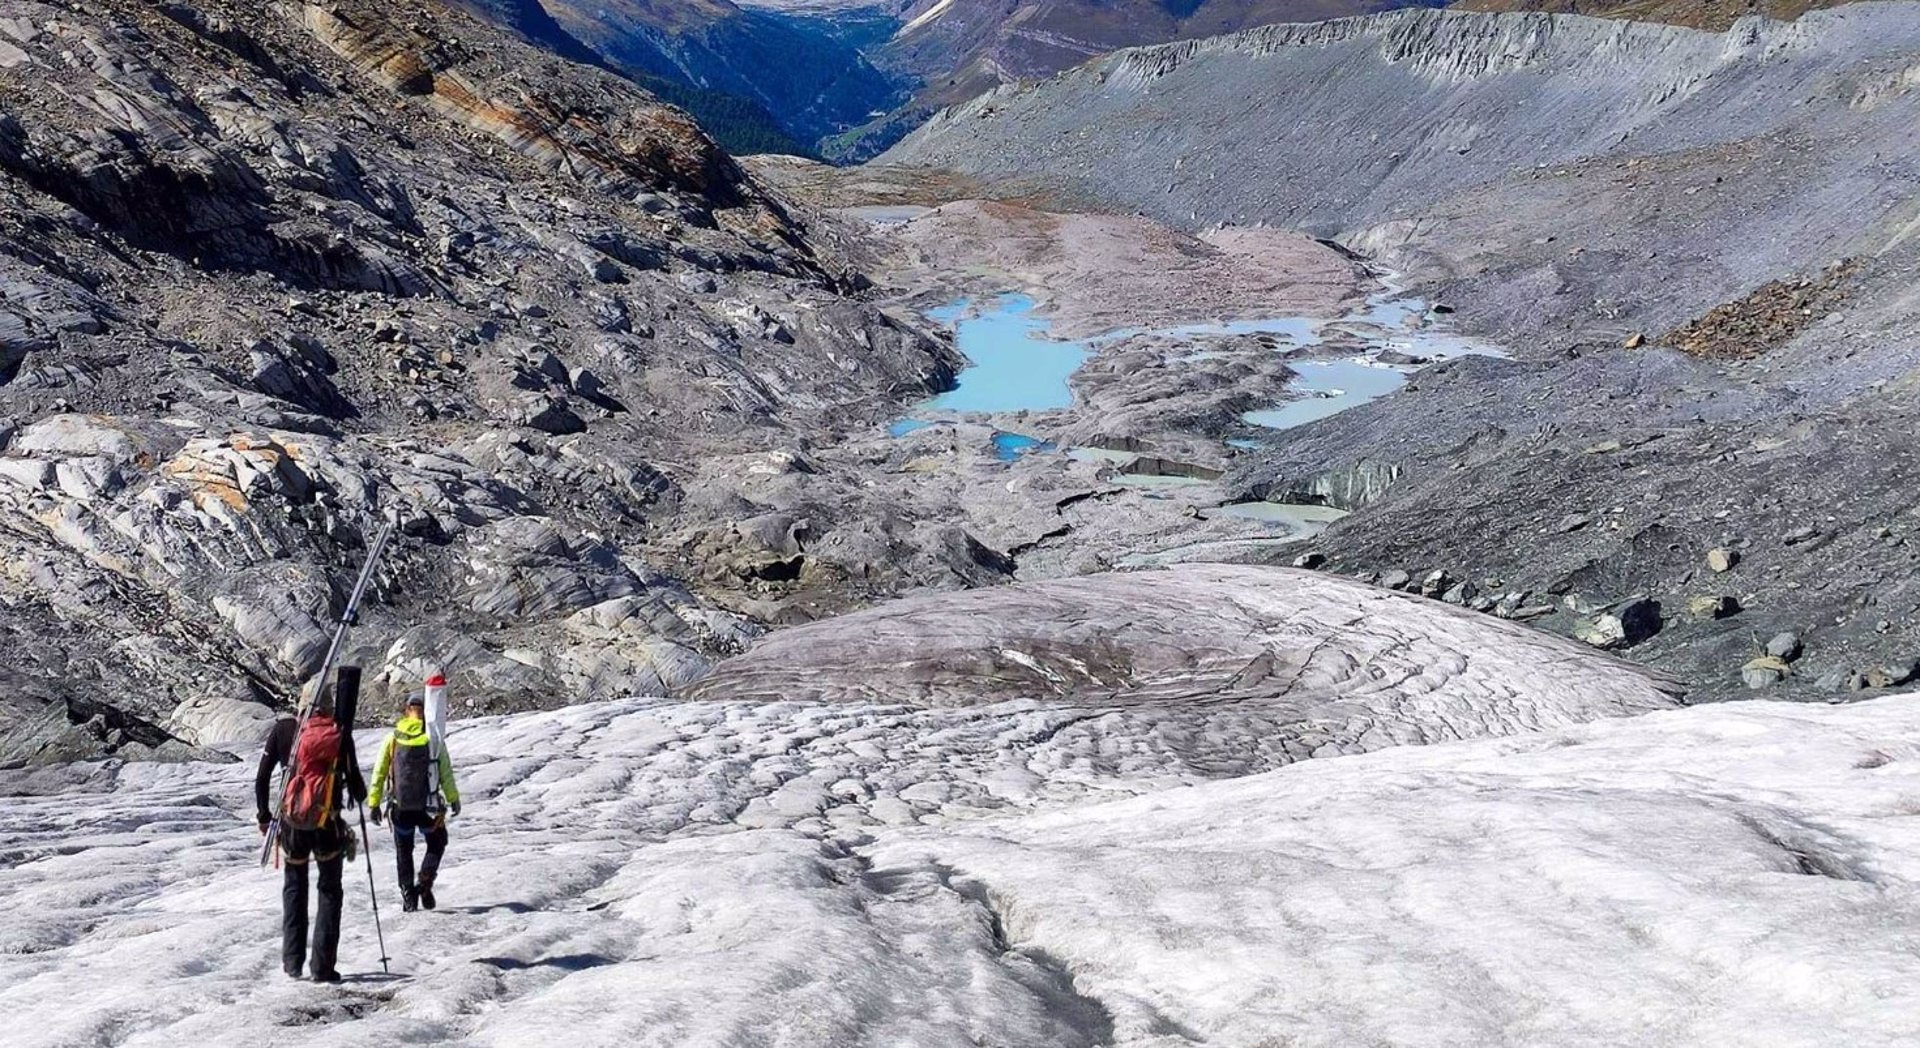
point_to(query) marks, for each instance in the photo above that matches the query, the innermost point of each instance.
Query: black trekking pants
(404, 825)
(299, 850)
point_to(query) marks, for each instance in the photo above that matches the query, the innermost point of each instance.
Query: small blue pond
(1010, 446)
(1006, 446)
(1332, 386)
(1012, 365)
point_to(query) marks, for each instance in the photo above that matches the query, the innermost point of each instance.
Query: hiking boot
(293, 972)
(410, 900)
(326, 977)
(426, 894)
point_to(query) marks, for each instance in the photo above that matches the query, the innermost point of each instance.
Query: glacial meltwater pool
(1331, 386)
(1013, 366)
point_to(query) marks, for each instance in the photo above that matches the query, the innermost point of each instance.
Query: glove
(453, 808)
(378, 814)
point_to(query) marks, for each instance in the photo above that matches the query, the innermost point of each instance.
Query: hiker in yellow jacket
(416, 802)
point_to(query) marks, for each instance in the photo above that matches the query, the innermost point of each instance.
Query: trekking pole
(366, 849)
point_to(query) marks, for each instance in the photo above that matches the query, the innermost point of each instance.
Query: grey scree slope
(1567, 182)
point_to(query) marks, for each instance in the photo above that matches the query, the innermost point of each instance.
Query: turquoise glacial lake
(1013, 366)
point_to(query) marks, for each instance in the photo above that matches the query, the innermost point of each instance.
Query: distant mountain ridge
(1696, 14)
(844, 79)
(760, 81)
(958, 49)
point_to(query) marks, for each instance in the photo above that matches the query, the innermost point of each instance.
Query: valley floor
(650, 873)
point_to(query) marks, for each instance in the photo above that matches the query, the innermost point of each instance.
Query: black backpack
(412, 777)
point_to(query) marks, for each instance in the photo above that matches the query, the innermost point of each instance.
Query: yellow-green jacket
(401, 773)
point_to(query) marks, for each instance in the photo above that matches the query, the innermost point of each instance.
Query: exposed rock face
(1567, 173)
(271, 274)
(760, 80)
(647, 147)
(960, 48)
(1701, 14)
(1574, 186)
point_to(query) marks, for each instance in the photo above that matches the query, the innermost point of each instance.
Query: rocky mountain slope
(269, 276)
(1700, 14)
(963, 46)
(738, 124)
(811, 77)
(1651, 163)
(956, 49)
(1707, 295)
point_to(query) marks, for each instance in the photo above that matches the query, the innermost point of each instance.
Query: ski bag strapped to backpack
(308, 801)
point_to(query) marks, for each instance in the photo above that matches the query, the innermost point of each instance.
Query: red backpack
(307, 803)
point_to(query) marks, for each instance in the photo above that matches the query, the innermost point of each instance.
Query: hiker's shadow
(499, 907)
(373, 978)
(573, 962)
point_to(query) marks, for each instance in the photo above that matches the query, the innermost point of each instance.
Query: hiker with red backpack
(322, 772)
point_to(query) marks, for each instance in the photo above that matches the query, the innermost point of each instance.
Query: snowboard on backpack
(436, 698)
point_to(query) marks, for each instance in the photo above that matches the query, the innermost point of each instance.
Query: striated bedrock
(1359, 664)
(271, 274)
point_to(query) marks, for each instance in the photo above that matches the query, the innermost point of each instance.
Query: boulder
(1721, 559)
(1839, 678)
(1891, 675)
(1765, 672)
(16, 342)
(31, 474)
(1802, 534)
(1784, 646)
(1711, 606)
(1629, 623)
(1601, 631)
(1309, 561)
(1581, 604)
(1571, 522)
(214, 720)
(1395, 579)
(64, 436)
(547, 414)
(1436, 583)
